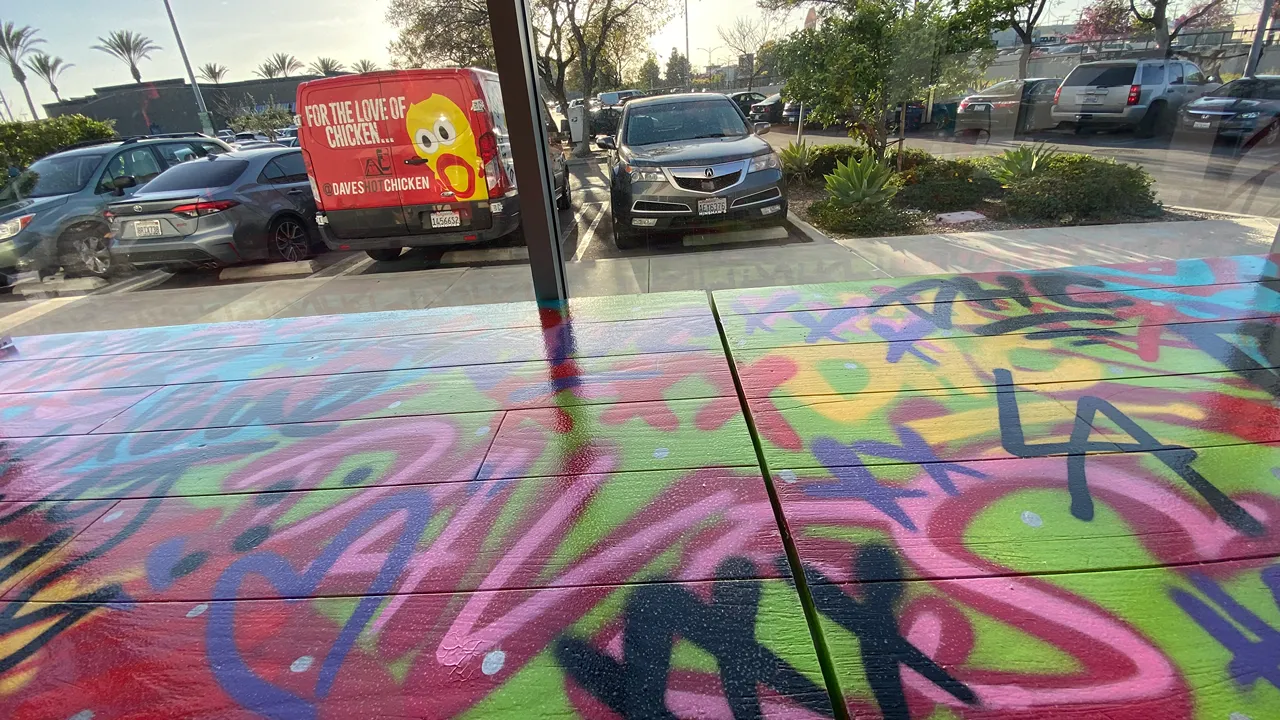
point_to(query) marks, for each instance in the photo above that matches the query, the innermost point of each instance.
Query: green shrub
(797, 162)
(1077, 188)
(826, 157)
(862, 183)
(911, 158)
(1021, 163)
(22, 143)
(945, 186)
(873, 221)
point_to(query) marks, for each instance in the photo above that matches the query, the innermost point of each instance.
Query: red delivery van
(407, 158)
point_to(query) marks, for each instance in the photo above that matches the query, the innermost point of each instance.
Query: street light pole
(206, 123)
(686, 30)
(1255, 50)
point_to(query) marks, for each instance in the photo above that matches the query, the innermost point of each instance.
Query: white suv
(1142, 94)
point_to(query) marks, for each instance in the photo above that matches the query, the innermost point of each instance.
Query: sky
(242, 33)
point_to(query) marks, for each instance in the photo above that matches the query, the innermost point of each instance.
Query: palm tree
(267, 70)
(128, 47)
(285, 63)
(15, 44)
(48, 69)
(325, 66)
(213, 72)
(364, 66)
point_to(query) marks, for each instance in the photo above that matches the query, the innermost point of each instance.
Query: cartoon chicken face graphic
(442, 136)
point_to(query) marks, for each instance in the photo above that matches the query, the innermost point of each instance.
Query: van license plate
(449, 218)
(146, 228)
(713, 206)
(1201, 125)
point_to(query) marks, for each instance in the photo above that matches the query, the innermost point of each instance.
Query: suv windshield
(1101, 75)
(198, 174)
(58, 175)
(1249, 88)
(676, 121)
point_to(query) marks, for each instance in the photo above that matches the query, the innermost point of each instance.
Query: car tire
(85, 251)
(1153, 122)
(289, 240)
(566, 201)
(626, 239)
(384, 254)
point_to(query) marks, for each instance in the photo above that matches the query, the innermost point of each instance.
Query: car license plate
(146, 228)
(1092, 100)
(980, 107)
(449, 218)
(713, 206)
(1201, 125)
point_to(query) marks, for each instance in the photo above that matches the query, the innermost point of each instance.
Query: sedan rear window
(1008, 87)
(1100, 76)
(677, 121)
(199, 174)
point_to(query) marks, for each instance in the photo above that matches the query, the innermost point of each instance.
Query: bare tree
(747, 36)
(1025, 20)
(1157, 18)
(556, 54)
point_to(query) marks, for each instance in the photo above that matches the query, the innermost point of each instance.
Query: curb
(269, 270)
(809, 231)
(1207, 211)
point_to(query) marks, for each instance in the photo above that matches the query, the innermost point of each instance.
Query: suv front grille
(659, 207)
(714, 184)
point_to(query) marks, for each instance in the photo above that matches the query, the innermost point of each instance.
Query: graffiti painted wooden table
(1047, 494)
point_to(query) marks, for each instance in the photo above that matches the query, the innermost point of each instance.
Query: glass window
(1194, 76)
(177, 153)
(202, 174)
(1259, 89)
(1008, 87)
(292, 167)
(1175, 73)
(665, 122)
(139, 163)
(57, 175)
(271, 173)
(1101, 75)
(203, 147)
(1152, 75)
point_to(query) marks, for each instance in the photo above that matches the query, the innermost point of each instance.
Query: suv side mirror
(762, 128)
(606, 142)
(123, 182)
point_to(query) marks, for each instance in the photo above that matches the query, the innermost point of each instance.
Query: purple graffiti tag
(758, 319)
(1251, 660)
(822, 326)
(234, 674)
(914, 449)
(855, 481)
(916, 329)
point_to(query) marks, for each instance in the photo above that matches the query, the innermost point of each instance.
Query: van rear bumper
(502, 224)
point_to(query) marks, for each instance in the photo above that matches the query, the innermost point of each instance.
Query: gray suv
(1142, 94)
(52, 213)
(684, 162)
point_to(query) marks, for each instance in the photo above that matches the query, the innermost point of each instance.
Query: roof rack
(136, 138)
(86, 143)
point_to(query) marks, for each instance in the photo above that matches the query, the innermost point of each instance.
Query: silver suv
(1143, 94)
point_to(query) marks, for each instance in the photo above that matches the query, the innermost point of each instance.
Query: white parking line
(357, 267)
(32, 312)
(591, 233)
(142, 282)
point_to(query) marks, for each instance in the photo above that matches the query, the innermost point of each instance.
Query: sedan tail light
(1005, 104)
(1135, 94)
(1057, 94)
(203, 207)
(964, 103)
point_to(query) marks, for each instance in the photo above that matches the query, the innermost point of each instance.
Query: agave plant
(1020, 163)
(862, 184)
(797, 162)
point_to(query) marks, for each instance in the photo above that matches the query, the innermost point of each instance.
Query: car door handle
(416, 161)
(297, 191)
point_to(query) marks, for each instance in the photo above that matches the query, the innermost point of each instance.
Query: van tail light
(1135, 94)
(203, 207)
(494, 174)
(1057, 94)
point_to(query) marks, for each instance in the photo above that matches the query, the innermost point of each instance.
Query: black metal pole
(1259, 35)
(530, 149)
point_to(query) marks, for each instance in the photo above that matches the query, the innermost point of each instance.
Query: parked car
(1012, 107)
(616, 97)
(1141, 94)
(768, 110)
(687, 162)
(435, 170)
(249, 137)
(744, 100)
(224, 210)
(1245, 111)
(52, 215)
(226, 135)
(791, 113)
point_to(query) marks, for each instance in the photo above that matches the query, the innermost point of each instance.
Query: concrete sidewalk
(820, 260)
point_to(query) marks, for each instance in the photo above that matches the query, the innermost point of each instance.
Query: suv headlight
(642, 174)
(13, 227)
(764, 162)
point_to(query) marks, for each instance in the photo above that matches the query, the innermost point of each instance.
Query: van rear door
(436, 149)
(346, 139)
(1097, 88)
